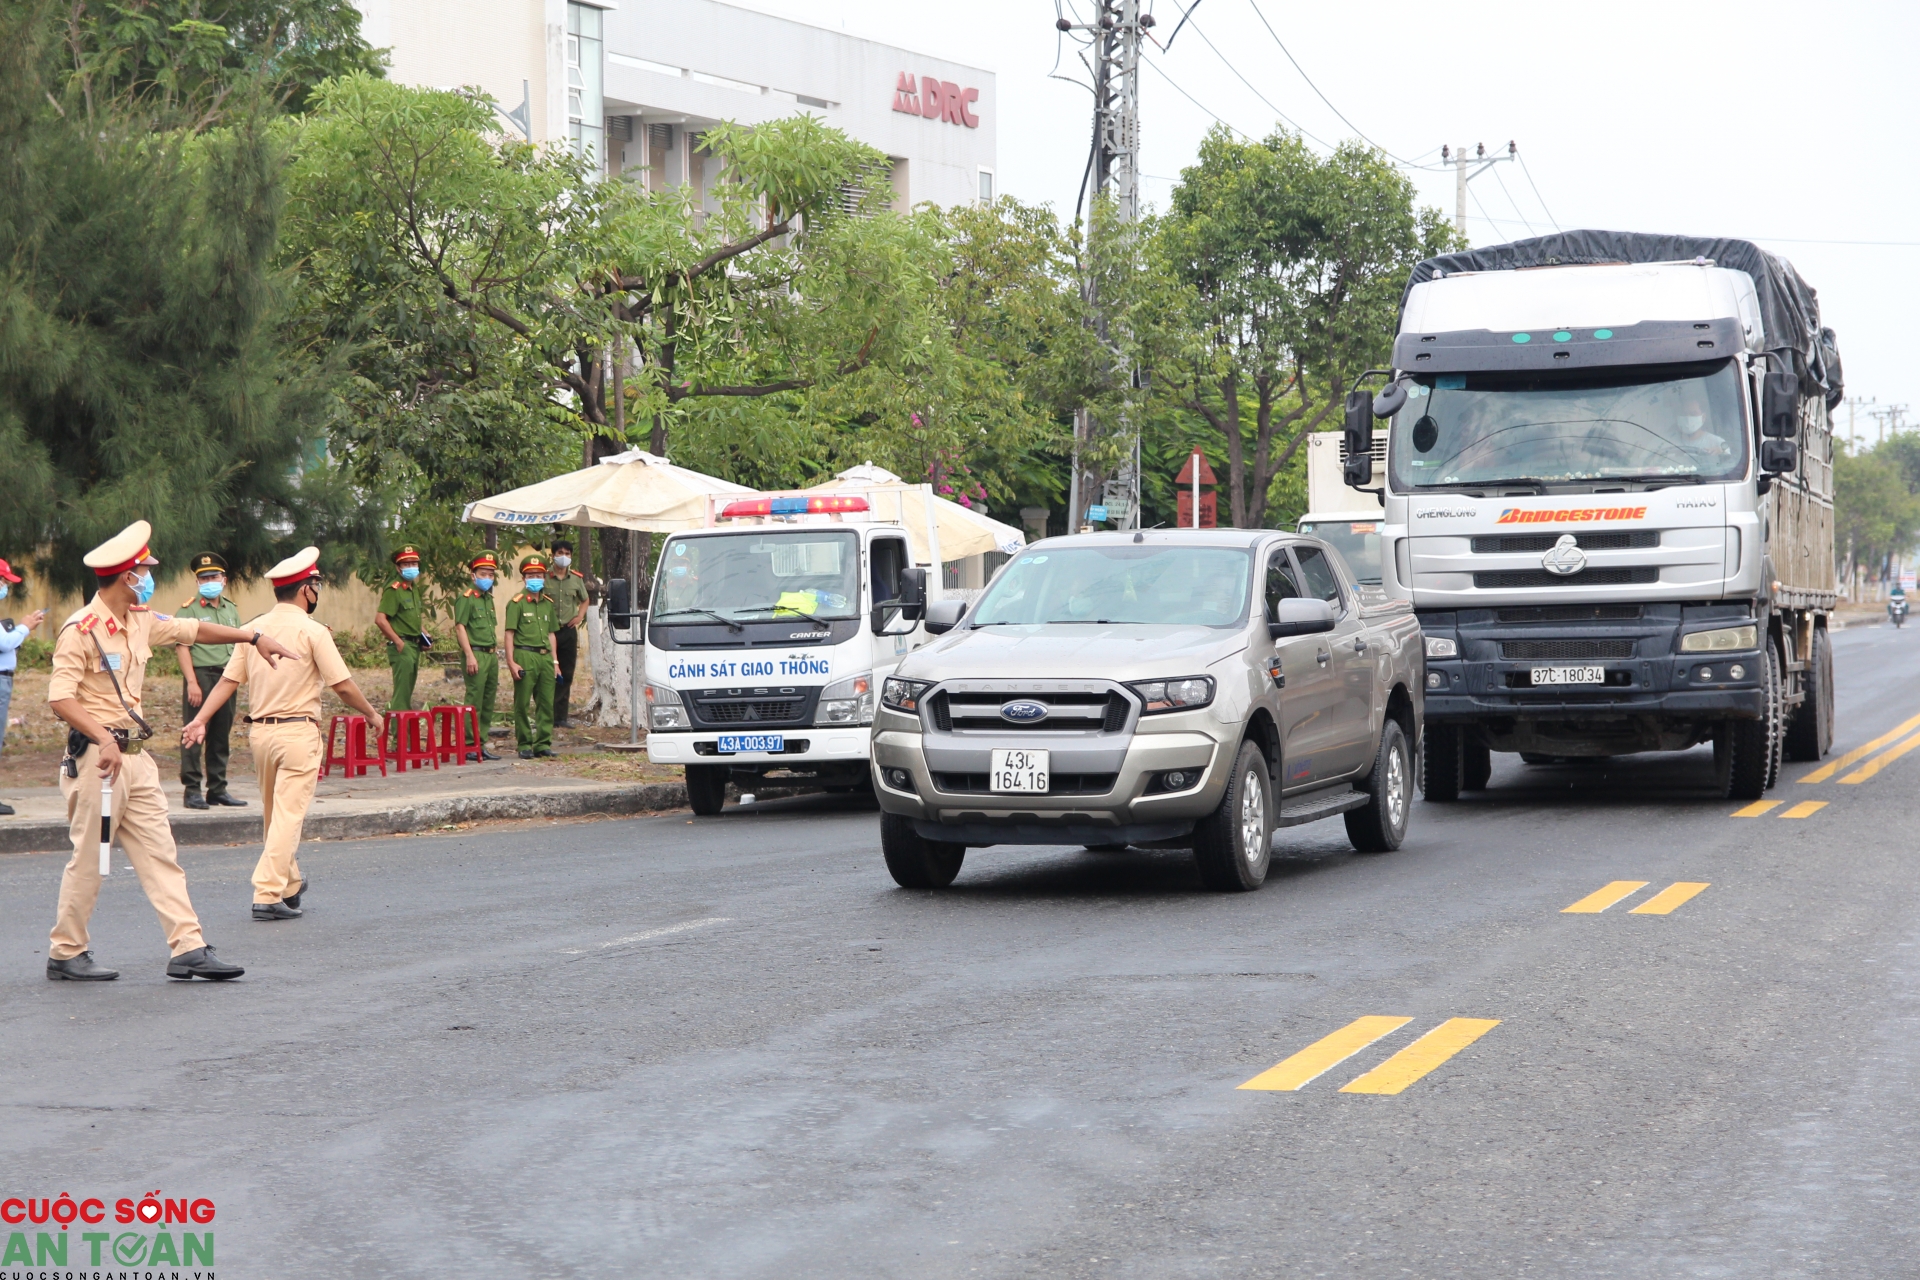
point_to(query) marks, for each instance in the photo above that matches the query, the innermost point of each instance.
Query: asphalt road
(731, 1048)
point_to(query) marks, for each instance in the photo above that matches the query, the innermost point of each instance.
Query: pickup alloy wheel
(1233, 845)
(914, 861)
(1380, 825)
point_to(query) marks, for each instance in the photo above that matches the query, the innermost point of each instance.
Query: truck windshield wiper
(785, 608)
(1677, 477)
(1463, 486)
(717, 617)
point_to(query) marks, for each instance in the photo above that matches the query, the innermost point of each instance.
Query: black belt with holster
(279, 720)
(527, 648)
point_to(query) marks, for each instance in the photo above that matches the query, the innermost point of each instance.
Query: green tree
(1292, 266)
(1875, 511)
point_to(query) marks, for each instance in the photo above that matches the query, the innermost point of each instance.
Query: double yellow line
(1874, 765)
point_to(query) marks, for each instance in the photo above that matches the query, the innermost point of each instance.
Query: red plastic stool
(352, 756)
(412, 733)
(457, 729)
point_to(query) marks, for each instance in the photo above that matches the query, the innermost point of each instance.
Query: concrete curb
(244, 828)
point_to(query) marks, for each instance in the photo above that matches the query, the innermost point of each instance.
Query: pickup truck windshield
(1357, 541)
(1134, 583)
(755, 576)
(1683, 423)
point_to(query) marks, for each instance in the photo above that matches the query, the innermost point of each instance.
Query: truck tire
(1442, 768)
(1381, 825)
(1810, 736)
(1777, 714)
(1476, 762)
(1746, 753)
(1233, 845)
(707, 788)
(914, 861)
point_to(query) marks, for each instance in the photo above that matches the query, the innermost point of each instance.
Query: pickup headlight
(1725, 639)
(903, 695)
(1442, 647)
(665, 710)
(848, 701)
(1183, 694)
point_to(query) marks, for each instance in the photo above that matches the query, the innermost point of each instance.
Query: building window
(986, 186)
(586, 77)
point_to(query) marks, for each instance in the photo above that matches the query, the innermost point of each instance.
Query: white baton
(106, 824)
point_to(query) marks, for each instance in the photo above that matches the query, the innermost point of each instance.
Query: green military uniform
(474, 611)
(568, 591)
(209, 662)
(400, 602)
(531, 622)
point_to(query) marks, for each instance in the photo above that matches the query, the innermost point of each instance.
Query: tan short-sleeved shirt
(128, 643)
(292, 688)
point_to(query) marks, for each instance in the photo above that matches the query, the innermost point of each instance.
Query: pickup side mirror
(1300, 616)
(1780, 405)
(619, 603)
(1779, 456)
(1358, 470)
(944, 615)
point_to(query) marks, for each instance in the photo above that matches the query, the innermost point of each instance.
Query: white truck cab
(768, 636)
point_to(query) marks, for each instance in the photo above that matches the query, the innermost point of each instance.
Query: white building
(636, 83)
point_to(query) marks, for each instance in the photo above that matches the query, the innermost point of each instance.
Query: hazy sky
(1788, 124)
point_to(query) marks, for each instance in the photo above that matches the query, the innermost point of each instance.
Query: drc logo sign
(935, 100)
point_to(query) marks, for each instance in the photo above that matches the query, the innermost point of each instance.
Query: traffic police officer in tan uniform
(283, 719)
(99, 664)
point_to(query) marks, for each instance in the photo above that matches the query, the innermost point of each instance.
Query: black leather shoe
(543, 752)
(230, 801)
(195, 800)
(563, 724)
(487, 755)
(80, 968)
(275, 911)
(526, 755)
(6, 810)
(201, 963)
(293, 899)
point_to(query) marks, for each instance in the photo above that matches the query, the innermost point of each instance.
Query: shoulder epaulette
(471, 593)
(398, 585)
(88, 623)
(185, 605)
(138, 608)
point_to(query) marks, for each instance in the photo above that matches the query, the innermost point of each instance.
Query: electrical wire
(1515, 203)
(1521, 156)
(1323, 97)
(1190, 98)
(1297, 126)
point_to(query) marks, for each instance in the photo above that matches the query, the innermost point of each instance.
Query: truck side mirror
(1779, 456)
(944, 615)
(619, 603)
(1780, 407)
(1359, 439)
(913, 592)
(1300, 616)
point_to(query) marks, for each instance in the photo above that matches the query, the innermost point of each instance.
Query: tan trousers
(286, 757)
(140, 828)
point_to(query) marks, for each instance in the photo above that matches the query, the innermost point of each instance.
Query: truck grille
(1572, 613)
(1092, 712)
(1564, 650)
(1059, 784)
(1493, 544)
(1499, 579)
(717, 707)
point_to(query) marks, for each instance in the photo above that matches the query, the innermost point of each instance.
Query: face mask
(211, 590)
(144, 592)
(314, 603)
(1691, 422)
(411, 572)
(536, 585)
(3, 591)
(483, 584)
(561, 562)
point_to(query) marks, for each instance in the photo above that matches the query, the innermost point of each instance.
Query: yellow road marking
(1422, 1056)
(1325, 1054)
(1805, 809)
(1674, 895)
(1601, 899)
(1757, 808)
(1832, 767)
(1881, 761)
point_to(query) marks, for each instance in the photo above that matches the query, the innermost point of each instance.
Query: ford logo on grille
(1022, 711)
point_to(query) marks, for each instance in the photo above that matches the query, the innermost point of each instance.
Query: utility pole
(1461, 161)
(1853, 403)
(1888, 416)
(1114, 170)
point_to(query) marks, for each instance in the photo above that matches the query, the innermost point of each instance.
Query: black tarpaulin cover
(1789, 308)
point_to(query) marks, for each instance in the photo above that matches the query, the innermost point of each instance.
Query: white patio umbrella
(634, 490)
(960, 531)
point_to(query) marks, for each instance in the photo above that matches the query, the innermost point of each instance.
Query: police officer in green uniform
(569, 591)
(474, 627)
(399, 622)
(531, 622)
(201, 666)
